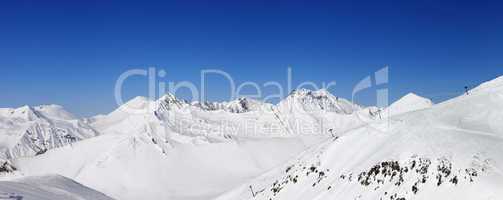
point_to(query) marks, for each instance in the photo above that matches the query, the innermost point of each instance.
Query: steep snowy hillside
(28, 131)
(47, 188)
(319, 112)
(453, 150)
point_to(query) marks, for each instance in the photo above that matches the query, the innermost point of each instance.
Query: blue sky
(71, 53)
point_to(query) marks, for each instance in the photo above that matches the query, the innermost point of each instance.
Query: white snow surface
(51, 187)
(146, 145)
(453, 150)
(131, 167)
(408, 103)
(311, 145)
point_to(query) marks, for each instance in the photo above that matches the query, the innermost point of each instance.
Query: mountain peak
(409, 102)
(300, 92)
(414, 97)
(240, 105)
(31, 113)
(169, 101)
(24, 112)
(318, 100)
(138, 102)
(25, 108)
(168, 97)
(307, 92)
(322, 92)
(54, 111)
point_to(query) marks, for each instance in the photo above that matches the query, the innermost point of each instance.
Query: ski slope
(453, 150)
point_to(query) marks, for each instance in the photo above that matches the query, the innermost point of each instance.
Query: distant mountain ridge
(28, 131)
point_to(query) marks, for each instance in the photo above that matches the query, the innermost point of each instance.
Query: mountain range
(311, 145)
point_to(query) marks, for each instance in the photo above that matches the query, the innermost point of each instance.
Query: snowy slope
(319, 112)
(47, 188)
(453, 150)
(133, 167)
(171, 121)
(146, 145)
(489, 86)
(27, 131)
(311, 145)
(408, 103)
(315, 101)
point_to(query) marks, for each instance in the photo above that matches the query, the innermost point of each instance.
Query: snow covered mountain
(171, 121)
(320, 100)
(240, 105)
(453, 150)
(318, 112)
(28, 131)
(408, 103)
(153, 141)
(311, 145)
